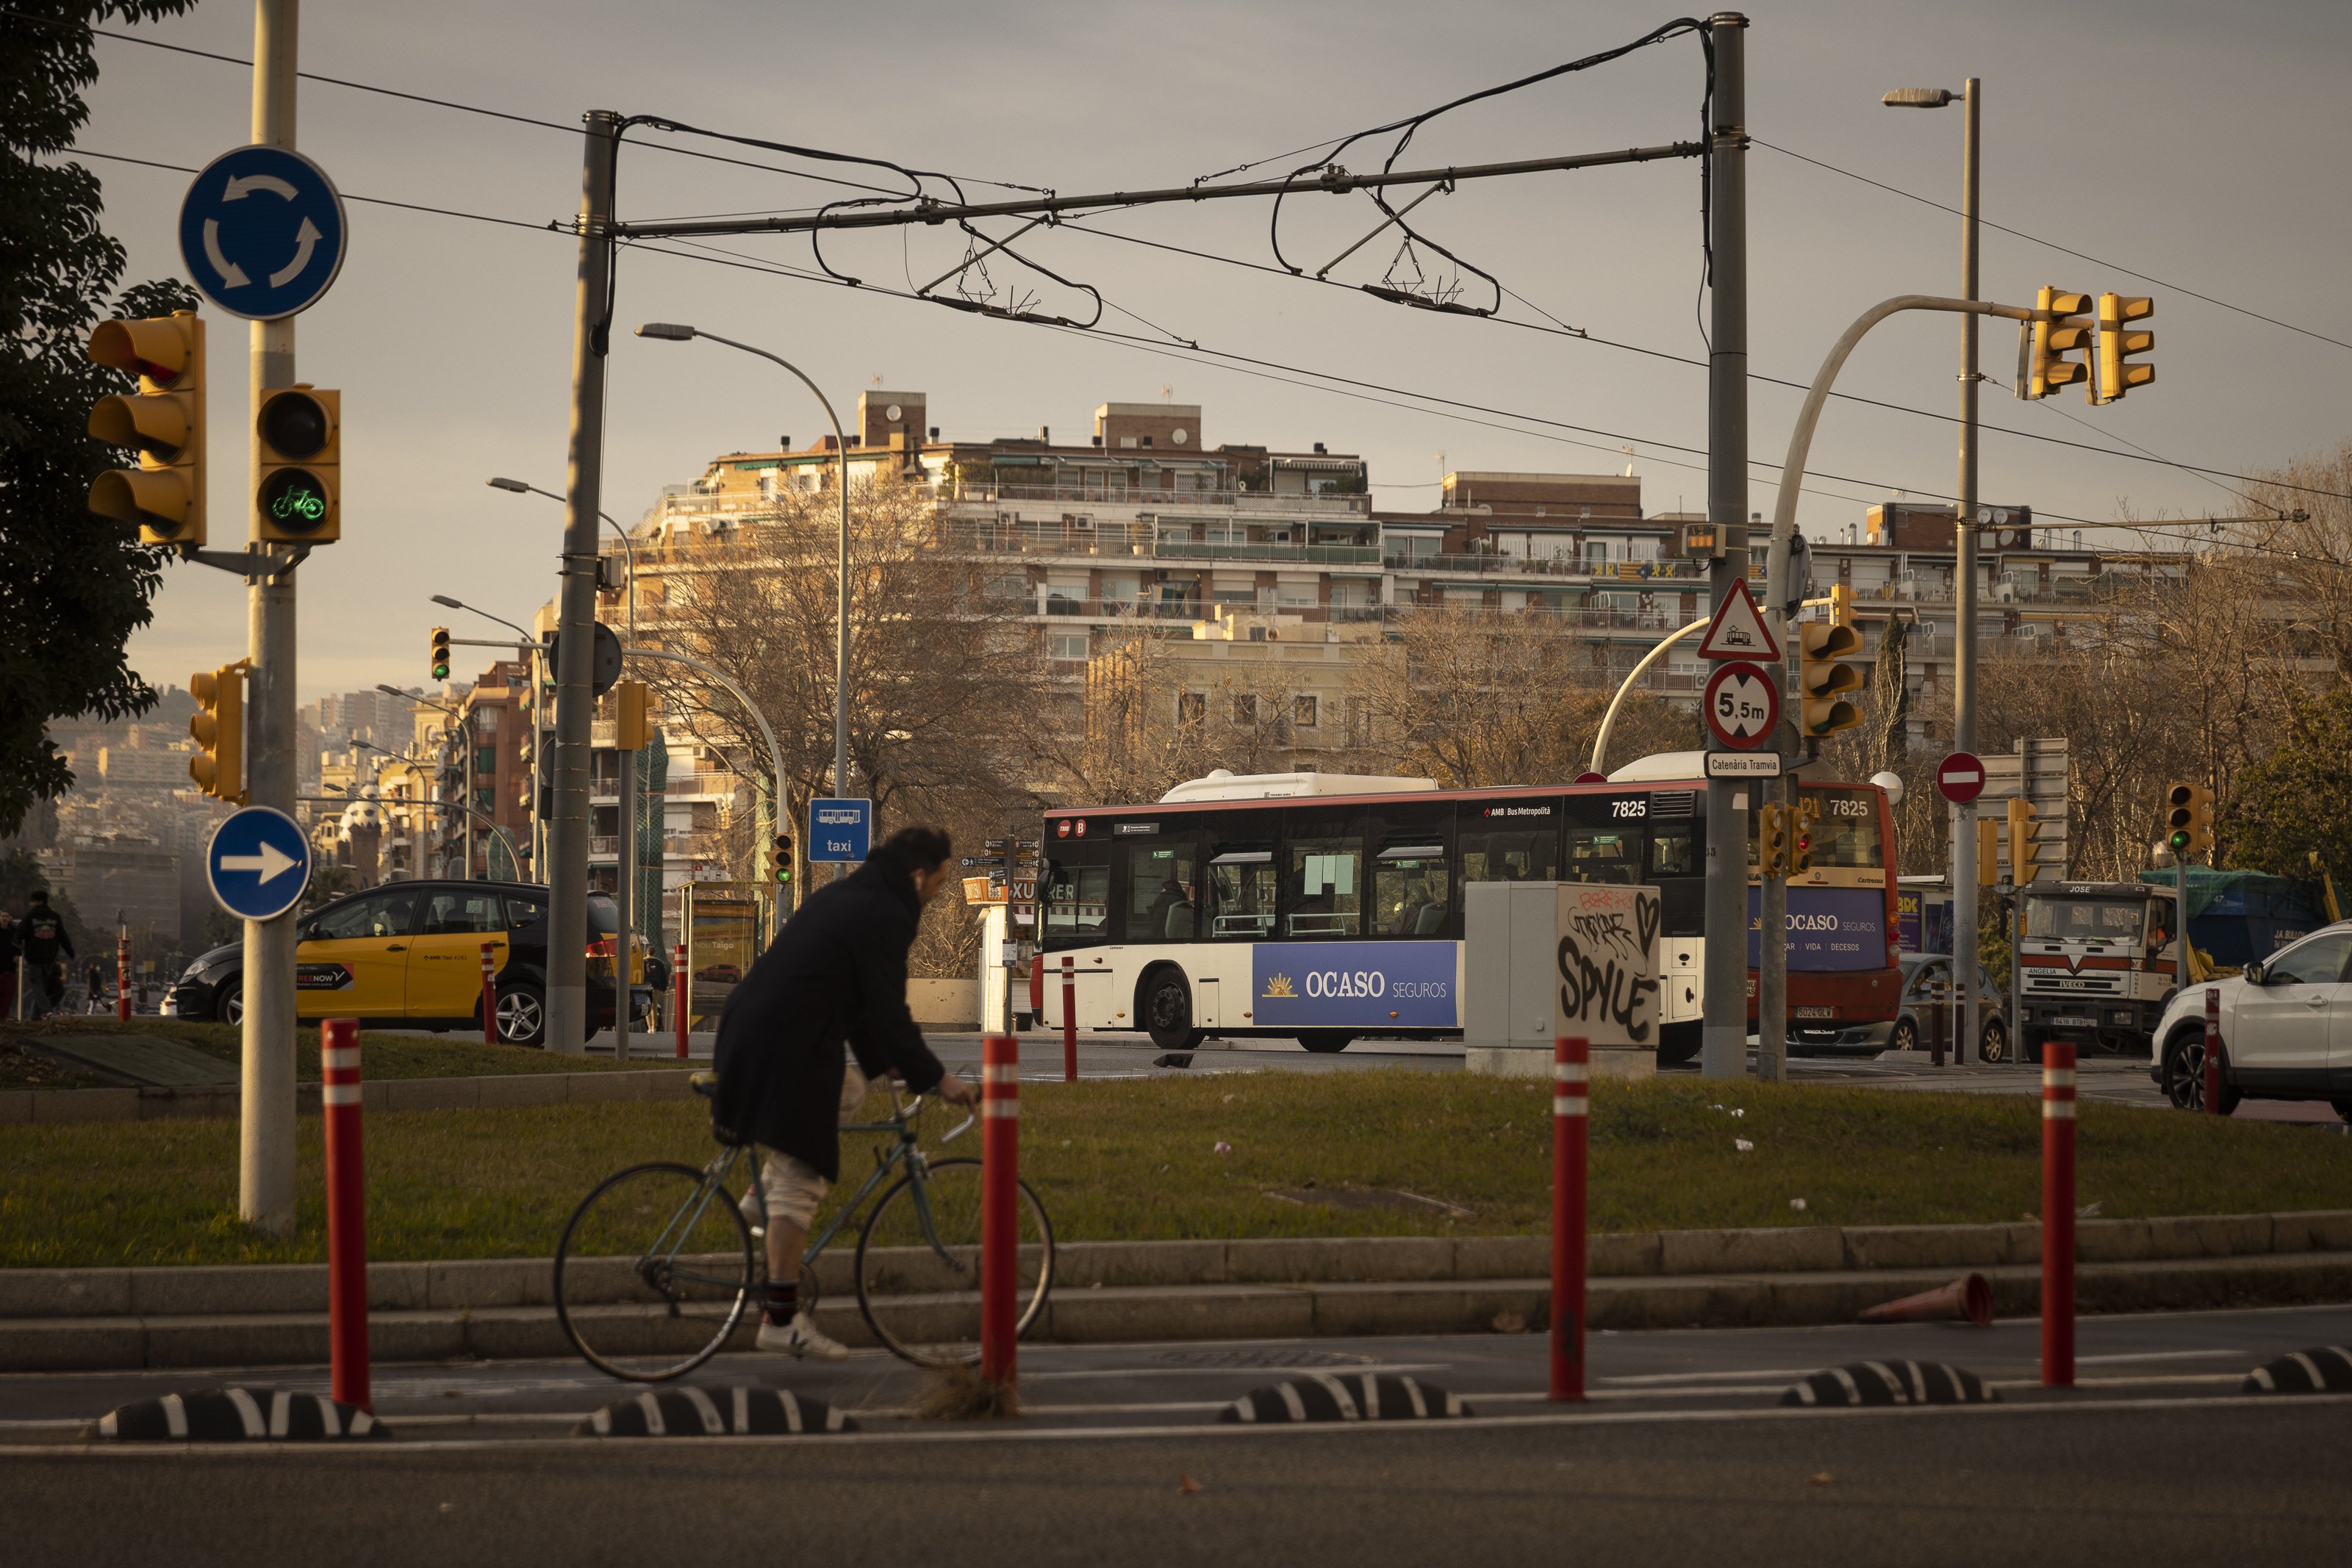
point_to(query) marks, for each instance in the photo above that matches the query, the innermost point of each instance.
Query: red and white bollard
(1069, 1022)
(1000, 1156)
(1571, 1098)
(2058, 1214)
(2214, 1050)
(680, 985)
(347, 1296)
(123, 977)
(489, 993)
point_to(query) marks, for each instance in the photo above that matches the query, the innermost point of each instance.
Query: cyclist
(834, 983)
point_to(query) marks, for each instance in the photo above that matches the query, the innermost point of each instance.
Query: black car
(409, 954)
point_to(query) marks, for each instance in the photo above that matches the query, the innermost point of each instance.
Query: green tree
(2290, 801)
(73, 586)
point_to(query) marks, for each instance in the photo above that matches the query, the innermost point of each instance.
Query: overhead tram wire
(2048, 243)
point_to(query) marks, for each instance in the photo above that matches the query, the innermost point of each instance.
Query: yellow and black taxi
(409, 954)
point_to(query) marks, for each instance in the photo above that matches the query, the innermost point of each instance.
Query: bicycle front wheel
(918, 1264)
(654, 1272)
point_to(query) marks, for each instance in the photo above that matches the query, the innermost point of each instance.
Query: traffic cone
(1969, 1297)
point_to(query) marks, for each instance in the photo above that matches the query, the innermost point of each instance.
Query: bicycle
(658, 1264)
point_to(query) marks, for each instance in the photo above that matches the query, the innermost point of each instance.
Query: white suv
(2286, 1030)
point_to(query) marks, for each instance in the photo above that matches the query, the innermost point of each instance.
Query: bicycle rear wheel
(918, 1264)
(654, 1272)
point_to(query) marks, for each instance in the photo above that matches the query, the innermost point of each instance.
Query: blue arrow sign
(258, 862)
(840, 830)
(262, 233)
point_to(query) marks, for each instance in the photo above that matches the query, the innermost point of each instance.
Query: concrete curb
(19, 1106)
(101, 1319)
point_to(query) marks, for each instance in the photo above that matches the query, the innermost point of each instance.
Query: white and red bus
(1325, 907)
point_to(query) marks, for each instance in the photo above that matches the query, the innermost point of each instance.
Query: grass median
(1139, 1160)
(23, 1064)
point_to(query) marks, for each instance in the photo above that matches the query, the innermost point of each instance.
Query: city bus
(1327, 907)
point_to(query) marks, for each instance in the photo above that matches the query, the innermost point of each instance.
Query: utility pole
(567, 834)
(266, 1072)
(1964, 605)
(1723, 1040)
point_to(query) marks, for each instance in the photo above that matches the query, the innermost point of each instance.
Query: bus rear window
(1845, 833)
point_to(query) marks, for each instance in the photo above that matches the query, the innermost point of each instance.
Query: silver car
(1925, 975)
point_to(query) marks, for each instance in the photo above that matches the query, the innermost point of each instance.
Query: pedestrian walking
(11, 949)
(94, 982)
(47, 945)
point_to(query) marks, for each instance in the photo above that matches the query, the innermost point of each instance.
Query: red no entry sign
(1743, 706)
(1960, 777)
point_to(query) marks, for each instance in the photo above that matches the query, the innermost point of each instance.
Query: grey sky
(2204, 144)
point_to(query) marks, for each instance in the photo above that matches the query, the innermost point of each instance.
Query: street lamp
(670, 331)
(538, 719)
(465, 833)
(627, 545)
(1964, 535)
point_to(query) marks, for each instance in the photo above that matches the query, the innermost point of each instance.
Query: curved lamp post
(629, 546)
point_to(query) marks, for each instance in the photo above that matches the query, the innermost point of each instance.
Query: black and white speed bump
(2326, 1370)
(1891, 1383)
(1367, 1397)
(236, 1416)
(737, 1412)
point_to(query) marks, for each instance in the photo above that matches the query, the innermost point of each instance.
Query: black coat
(835, 977)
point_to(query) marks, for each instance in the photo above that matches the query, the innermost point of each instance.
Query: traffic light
(165, 419)
(440, 653)
(2066, 331)
(780, 859)
(298, 456)
(2116, 375)
(2188, 818)
(218, 725)
(1821, 674)
(1801, 843)
(2025, 843)
(1772, 838)
(1988, 852)
(631, 730)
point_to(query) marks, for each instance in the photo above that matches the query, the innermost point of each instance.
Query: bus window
(1515, 855)
(1845, 833)
(1326, 889)
(1241, 895)
(1410, 891)
(1073, 904)
(1674, 850)
(1159, 889)
(1604, 855)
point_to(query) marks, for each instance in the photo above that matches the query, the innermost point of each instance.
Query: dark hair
(920, 848)
(38, 895)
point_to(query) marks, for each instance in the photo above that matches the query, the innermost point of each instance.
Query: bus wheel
(1677, 1043)
(1324, 1040)
(1168, 1009)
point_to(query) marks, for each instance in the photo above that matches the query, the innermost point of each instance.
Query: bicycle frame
(906, 1151)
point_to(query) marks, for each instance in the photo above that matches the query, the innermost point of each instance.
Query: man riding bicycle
(833, 984)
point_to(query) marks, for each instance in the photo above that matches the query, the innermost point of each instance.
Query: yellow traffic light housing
(1822, 675)
(164, 420)
(633, 730)
(441, 655)
(1988, 852)
(2189, 820)
(2065, 330)
(218, 725)
(2025, 843)
(2118, 375)
(1800, 843)
(1772, 838)
(297, 455)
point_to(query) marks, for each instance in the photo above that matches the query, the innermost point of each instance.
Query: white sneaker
(803, 1339)
(753, 1214)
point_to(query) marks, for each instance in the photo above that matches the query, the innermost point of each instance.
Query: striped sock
(784, 1302)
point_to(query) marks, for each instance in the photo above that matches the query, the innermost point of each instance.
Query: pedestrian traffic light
(1822, 674)
(2116, 346)
(780, 859)
(1772, 838)
(440, 653)
(297, 455)
(2067, 330)
(1988, 852)
(164, 420)
(2025, 843)
(2188, 818)
(1800, 841)
(218, 725)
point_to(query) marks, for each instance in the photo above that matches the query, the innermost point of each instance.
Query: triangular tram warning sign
(1737, 631)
